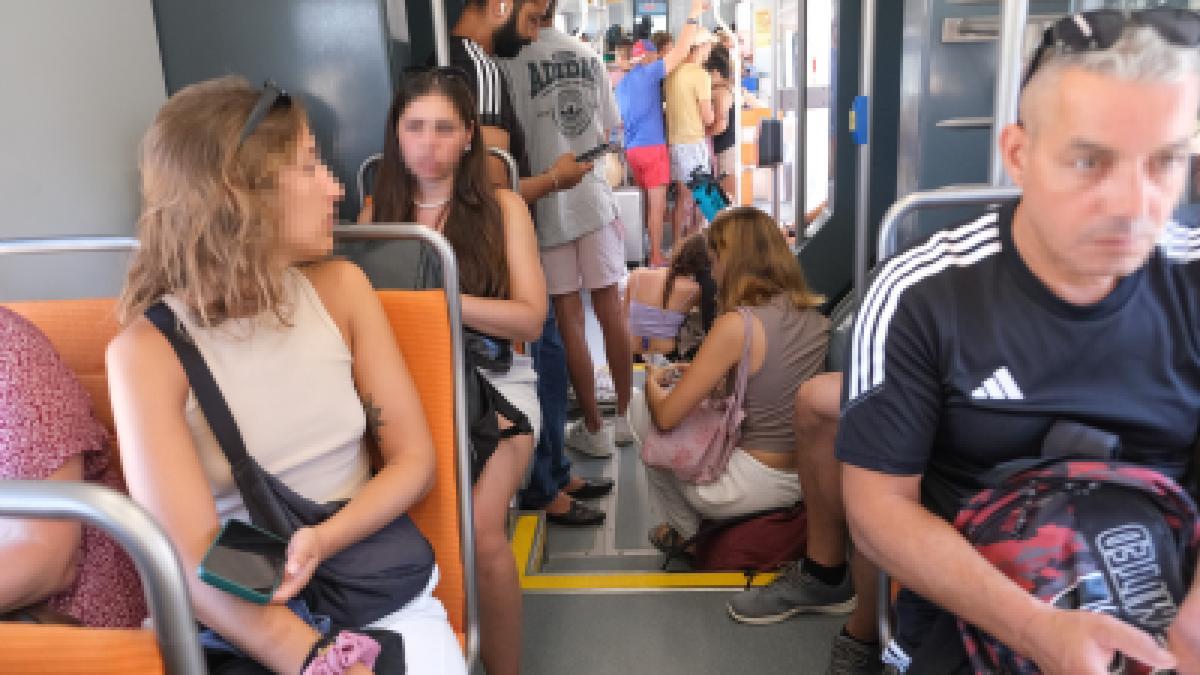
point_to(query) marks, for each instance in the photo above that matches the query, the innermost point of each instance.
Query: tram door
(786, 70)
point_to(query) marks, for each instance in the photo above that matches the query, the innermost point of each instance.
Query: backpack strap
(257, 496)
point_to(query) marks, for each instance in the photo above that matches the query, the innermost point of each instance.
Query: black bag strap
(260, 501)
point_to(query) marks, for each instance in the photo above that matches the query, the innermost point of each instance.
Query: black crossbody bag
(361, 584)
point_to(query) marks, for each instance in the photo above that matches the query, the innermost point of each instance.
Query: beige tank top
(796, 344)
(292, 394)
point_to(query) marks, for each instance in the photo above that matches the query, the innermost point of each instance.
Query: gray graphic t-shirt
(564, 101)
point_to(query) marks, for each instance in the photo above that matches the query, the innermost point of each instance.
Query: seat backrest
(422, 329)
(81, 329)
(97, 651)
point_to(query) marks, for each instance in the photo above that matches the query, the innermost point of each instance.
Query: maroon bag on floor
(758, 542)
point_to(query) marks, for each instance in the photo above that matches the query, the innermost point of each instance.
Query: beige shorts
(595, 260)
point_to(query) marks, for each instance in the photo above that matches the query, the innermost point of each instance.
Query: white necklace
(432, 205)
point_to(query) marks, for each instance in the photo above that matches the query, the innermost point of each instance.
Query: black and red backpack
(1092, 534)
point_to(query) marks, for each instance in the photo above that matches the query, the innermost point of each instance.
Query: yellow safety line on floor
(523, 542)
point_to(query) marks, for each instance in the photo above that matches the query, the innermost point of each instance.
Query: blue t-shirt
(639, 96)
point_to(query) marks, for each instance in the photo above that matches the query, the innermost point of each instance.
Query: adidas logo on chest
(999, 386)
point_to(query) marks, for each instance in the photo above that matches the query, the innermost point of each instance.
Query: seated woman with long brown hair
(434, 172)
(236, 230)
(755, 271)
(658, 299)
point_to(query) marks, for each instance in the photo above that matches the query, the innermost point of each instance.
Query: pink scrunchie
(347, 649)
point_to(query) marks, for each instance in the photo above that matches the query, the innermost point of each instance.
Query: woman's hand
(303, 556)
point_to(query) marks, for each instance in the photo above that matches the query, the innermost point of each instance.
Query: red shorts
(650, 164)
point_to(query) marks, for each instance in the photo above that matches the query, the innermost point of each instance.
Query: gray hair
(1139, 55)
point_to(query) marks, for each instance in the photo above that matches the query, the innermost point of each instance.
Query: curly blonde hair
(210, 225)
(758, 265)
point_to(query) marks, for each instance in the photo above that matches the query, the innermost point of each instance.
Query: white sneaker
(593, 444)
(622, 433)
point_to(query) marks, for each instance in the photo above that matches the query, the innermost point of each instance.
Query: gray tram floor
(647, 631)
(665, 633)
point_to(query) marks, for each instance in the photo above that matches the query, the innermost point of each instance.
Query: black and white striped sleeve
(487, 84)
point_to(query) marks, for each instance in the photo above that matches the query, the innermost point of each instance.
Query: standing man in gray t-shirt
(565, 104)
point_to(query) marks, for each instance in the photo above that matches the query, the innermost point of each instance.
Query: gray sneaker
(792, 592)
(851, 657)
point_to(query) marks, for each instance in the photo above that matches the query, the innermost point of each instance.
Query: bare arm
(523, 314)
(495, 137)
(928, 556)
(40, 556)
(707, 116)
(718, 354)
(394, 414)
(683, 46)
(163, 473)
(720, 104)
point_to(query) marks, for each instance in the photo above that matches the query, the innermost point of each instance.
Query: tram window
(762, 55)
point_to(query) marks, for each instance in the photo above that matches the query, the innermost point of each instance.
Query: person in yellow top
(688, 94)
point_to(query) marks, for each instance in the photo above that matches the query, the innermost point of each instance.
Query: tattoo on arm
(374, 415)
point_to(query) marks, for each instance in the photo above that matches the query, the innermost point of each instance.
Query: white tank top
(292, 394)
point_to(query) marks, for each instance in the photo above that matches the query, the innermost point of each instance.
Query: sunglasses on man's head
(272, 97)
(1100, 29)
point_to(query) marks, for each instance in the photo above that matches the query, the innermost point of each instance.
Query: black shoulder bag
(363, 583)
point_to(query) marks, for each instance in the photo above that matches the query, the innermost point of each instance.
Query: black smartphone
(246, 561)
(594, 152)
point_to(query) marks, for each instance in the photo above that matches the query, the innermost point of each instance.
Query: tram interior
(83, 81)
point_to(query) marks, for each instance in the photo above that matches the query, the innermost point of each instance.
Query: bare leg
(656, 211)
(568, 310)
(499, 591)
(682, 217)
(816, 421)
(607, 304)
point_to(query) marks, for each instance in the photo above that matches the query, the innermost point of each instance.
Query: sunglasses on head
(272, 97)
(1100, 29)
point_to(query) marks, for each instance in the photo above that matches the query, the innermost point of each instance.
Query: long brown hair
(474, 224)
(757, 263)
(210, 223)
(690, 260)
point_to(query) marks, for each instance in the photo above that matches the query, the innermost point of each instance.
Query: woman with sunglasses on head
(235, 231)
(434, 172)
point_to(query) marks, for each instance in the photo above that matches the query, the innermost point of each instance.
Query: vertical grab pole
(776, 109)
(862, 133)
(801, 73)
(735, 120)
(441, 32)
(1013, 16)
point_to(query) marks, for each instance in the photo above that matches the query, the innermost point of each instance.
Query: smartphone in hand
(595, 152)
(246, 561)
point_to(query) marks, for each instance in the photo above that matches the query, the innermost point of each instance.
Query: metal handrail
(449, 265)
(1013, 17)
(140, 536)
(362, 173)
(889, 243)
(514, 173)
(866, 84)
(67, 245)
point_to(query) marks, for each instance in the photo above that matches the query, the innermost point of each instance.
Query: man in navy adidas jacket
(1080, 302)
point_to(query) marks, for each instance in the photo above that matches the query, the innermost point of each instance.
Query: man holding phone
(565, 103)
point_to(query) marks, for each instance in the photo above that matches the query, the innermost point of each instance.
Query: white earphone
(502, 8)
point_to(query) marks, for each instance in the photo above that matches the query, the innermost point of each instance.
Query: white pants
(430, 645)
(747, 485)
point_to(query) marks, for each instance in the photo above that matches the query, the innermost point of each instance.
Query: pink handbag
(697, 450)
